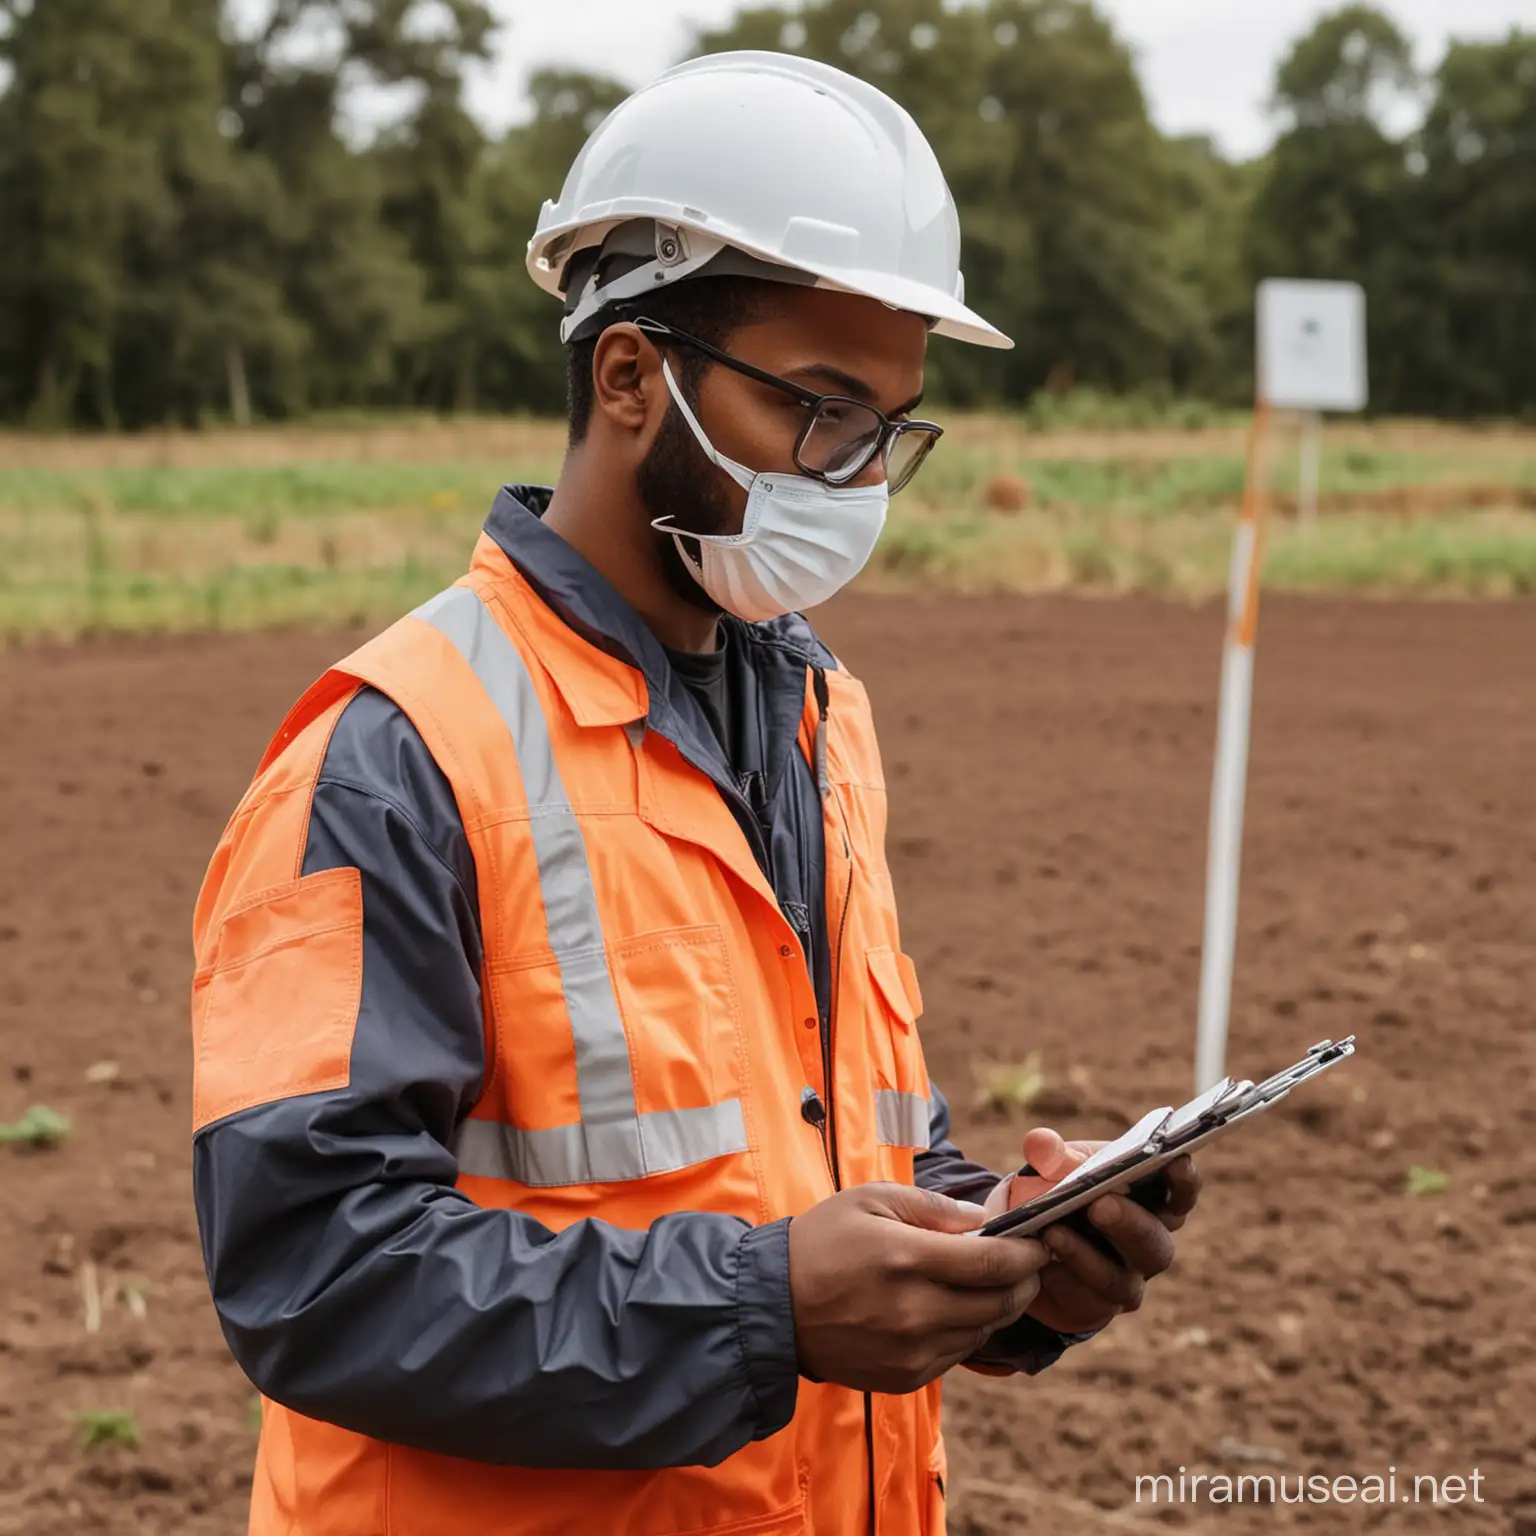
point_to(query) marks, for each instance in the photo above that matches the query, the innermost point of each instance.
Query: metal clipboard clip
(1161, 1136)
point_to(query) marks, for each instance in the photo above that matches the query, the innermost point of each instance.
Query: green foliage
(196, 230)
(1088, 409)
(112, 102)
(38, 1127)
(1439, 225)
(1471, 313)
(104, 1426)
(1339, 71)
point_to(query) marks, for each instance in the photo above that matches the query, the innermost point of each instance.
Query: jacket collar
(575, 589)
(583, 599)
(612, 670)
(569, 583)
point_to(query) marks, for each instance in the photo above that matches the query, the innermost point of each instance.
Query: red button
(786, 950)
(810, 1023)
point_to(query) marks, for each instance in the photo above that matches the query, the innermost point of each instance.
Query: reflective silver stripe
(901, 1119)
(612, 1142)
(576, 1154)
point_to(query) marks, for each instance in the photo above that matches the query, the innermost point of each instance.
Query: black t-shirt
(706, 675)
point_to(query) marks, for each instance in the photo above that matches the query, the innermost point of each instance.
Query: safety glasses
(841, 436)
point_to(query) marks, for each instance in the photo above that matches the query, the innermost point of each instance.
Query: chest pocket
(621, 1062)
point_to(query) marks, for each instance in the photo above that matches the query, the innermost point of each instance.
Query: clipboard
(1130, 1164)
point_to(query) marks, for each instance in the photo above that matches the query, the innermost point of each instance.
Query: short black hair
(711, 308)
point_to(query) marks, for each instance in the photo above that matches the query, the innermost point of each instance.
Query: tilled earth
(1049, 766)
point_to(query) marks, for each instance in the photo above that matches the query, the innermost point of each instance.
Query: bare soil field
(1049, 762)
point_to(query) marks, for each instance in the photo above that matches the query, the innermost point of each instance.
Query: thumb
(1049, 1155)
(924, 1208)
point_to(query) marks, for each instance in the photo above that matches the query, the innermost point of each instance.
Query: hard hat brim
(949, 315)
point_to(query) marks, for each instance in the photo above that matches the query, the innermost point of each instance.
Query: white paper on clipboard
(1140, 1135)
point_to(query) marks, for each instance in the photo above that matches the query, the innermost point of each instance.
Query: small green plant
(107, 1426)
(1009, 1085)
(39, 1127)
(1427, 1181)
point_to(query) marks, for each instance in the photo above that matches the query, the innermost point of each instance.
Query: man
(565, 1156)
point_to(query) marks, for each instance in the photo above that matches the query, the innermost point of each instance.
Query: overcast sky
(1207, 65)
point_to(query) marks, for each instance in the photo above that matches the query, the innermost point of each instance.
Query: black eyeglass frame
(883, 443)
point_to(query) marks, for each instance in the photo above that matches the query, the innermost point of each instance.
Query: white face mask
(800, 541)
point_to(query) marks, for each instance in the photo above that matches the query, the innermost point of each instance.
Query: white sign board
(1311, 345)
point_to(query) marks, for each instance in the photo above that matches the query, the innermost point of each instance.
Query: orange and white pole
(1225, 850)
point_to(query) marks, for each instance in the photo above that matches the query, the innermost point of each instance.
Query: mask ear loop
(738, 472)
(743, 476)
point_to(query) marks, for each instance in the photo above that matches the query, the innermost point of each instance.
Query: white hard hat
(759, 162)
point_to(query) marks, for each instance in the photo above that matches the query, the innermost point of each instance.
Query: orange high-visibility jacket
(652, 1045)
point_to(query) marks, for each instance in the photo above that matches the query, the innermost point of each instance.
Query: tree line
(192, 229)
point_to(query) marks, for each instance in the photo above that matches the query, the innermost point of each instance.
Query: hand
(889, 1294)
(1051, 1158)
(1082, 1289)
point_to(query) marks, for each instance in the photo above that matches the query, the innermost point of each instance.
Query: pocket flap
(896, 977)
(274, 1013)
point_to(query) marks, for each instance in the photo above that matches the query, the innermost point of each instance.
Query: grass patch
(254, 493)
(333, 525)
(1472, 554)
(1087, 409)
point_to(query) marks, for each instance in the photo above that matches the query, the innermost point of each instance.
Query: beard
(675, 481)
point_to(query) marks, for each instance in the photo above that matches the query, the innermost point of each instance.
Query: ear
(627, 383)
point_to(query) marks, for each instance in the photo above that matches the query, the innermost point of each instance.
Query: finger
(976, 1263)
(959, 1344)
(1183, 1182)
(1143, 1242)
(955, 1349)
(1063, 1293)
(922, 1208)
(946, 1308)
(1081, 1267)
(947, 1336)
(1050, 1156)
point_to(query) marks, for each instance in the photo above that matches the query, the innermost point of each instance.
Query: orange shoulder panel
(278, 957)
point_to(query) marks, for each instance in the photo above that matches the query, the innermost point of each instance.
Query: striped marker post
(1225, 850)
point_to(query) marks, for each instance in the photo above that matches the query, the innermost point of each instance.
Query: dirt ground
(1049, 766)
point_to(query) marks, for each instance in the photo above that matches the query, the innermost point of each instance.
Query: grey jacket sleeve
(357, 1286)
(1026, 1346)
